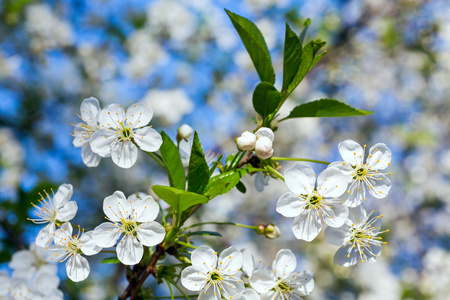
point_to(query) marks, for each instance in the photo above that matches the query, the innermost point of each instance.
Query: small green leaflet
(172, 159)
(180, 200)
(265, 99)
(198, 171)
(303, 68)
(305, 29)
(111, 260)
(204, 232)
(326, 108)
(222, 183)
(292, 56)
(256, 46)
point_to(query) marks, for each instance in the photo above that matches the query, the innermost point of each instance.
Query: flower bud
(246, 141)
(263, 148)
(270, 231)
(184, 132)
(265, 132)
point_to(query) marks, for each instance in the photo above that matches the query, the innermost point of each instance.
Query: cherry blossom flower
(132, 218)
(358, 237)
(247, 294)
(184, 132)
(123, 131)
(213, 277)
(82, 133)
(54, 210)
(281, 282)
(309, 204)
(261, 142)
(70, 249)
(25, 263)
(362, 176)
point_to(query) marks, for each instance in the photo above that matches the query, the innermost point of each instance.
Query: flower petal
(63, 195)
(88, 244)
(230, 260)
(232, 286)
(106, 234)
(102, 140)
(148, 139)
(124, 154)
(250, 294)
(204, 258)
(334, 213)
(290, 205)
(63, 234)
(211, 293)
(248, 265)
(357, 194)
(351, 152)
(90, 109)
(265, 132)
(346, 256)
(307, 225)
(111, 116)
(150, 233)
(117, 207)
(379, 185)
(246, 141)
(45, 235)
(129, 250)
(90, 158)
(284, 263)
(261, 181)
(332, 183)
(300, 179)
(138, 115)
(263, 280)
(145, 210)
(379, 157)
(193, 279)
(77, 268)
(263, 147)
(337, 236)
(303, 283)
(344, 167)
(67, 212)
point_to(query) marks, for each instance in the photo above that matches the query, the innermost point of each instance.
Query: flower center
(129, 226)
(73, 246)
(282, 287)
(215, 277)
(126, 132)
(313, 200)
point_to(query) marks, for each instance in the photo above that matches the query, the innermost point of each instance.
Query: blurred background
(185, 60)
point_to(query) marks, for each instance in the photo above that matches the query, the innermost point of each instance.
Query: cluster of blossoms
(33, 277)
(233, 275)
(336, 199)
(114, 132)
(261, 142)
(132, 217)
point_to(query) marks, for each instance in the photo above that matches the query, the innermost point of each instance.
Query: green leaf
(198, 171)
(265, 99)
(303, 68)
(204, 232)
(172, 159)
(111, 260)
(317, 58)
(305, 29)
(326, 108)
(317, 45)
(223, 183)
(292, 56)
(215, 164)
(256, 46)
(180, 200)
(241, 187)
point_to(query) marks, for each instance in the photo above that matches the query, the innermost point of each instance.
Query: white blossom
(362, 175)
(70, 249)
(212, 277)
(82, 133)
(281, 282)
(358, 237)
(261, 141)
(310, 204)
(53, 210)
(185, 131)
(246, 141)
(25, 263)
(122, 130)
(132, 218)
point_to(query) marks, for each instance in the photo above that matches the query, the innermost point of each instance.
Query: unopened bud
(263, 148)
(184, 132)
(246, 141)
(270, 231)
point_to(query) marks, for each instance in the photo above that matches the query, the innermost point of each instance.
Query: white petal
(357, 194)
(211, 293)
(344, 167)
(148, 139)
(193, 279)
(284, 263)
(250, 294)
(204, 258)
(346, 256)
(261, 181)
(111, 116)
(300, 179)
(332, 183)
(145, 210)
(232, 286)
(337, 236)
(307, 225)
(106, 234)
(351, 152)
(90, 109)
(379, 185)
(90, 159)
(263, 148)
(265, 132)
(117, 207)
(23, 259)
(150, 233)
(77, 268)
(263, 280)
(379, 157)
(271, 295)
(63, 195)
(246, 141)
(303, 283)
(138, 115)
(88, 244)
(230, 260)
(102, 141)
(67, 212)
(129, 250)
(334, 213)
(81, 135)
(45, 235)
(290, 205)
(248, 265)
(124, 154)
